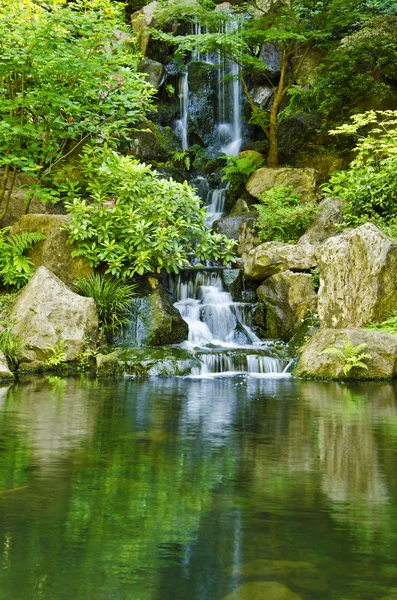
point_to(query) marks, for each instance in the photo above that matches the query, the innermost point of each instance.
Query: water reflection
(228, 488)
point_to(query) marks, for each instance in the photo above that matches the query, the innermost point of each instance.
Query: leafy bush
(112, 298)
(67, 74)
(369, 186)
(282, 217)
(239, 168)
(351, 356)
(134, 222)
(16, 268)
(12, 346)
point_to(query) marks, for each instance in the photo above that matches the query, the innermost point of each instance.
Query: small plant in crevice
(315, 278)
(182, 157)
(57, 356)
(281, 215)
(12, 346)
(113, 299)
(351, 356)
(16, 268)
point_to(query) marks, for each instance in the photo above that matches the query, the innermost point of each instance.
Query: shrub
(282, 217)
(134, 222)
(16, 268)
(112, 298)
(369, 186)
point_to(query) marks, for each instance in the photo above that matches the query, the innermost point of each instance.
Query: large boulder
(145, 362)
(325, 225)
(5, 372)
(381, 346)
(142, 21)
(154, 319)
(274, 257)
(303, 181)
(48, 312)
(357, 278)
(287, 298)
(54, 252)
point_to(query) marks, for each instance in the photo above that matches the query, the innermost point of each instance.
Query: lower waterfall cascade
(220, 331)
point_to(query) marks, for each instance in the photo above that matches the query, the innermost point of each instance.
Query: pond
(237, 488)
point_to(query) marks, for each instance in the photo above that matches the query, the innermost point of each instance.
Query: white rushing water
(228, 92)
(219, 328)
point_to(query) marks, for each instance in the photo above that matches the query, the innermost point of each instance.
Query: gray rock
(154, 71)
(233, 282)
(357, 278)
(154, 319)
(287, 298)
(232, 226)
(262, 96)
(142, 21)
(274, 257)
(54, 252)
(329, 215)
(303, 181)
(47, 312)
(271, 56)
(5, 372)
(381, 346)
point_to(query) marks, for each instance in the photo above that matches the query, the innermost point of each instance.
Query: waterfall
(183, 121)
(219, 328)
(228, 91)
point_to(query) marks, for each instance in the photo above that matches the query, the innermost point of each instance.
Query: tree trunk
(279, 93)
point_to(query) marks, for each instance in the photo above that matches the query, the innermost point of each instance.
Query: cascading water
(228, 91)
(214, 199)
(219, 328)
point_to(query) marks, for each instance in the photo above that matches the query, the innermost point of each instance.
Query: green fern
(12, 346)
(352, 356)
(57, 356)
(16, 268)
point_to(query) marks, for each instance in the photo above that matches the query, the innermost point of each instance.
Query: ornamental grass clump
(113, 299)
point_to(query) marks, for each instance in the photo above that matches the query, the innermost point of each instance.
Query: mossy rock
(154, 319)
(147, 362)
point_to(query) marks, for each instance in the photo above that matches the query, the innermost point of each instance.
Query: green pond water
(189, 489)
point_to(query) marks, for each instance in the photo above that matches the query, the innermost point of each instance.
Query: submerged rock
(358, 278)
(325, 225)
(287, 297)
(154, 319)
(5, 372)
(303, 181)
(48, 312)
(262, 590)
(54, 252)
(145, 362)
(274, 257)
(381, 346)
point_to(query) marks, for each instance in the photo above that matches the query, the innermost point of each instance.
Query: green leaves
(282, 217)
(135, 222)
(369, 186)
(351, 356)
(16, 268)
(239, 168)
(65, 77)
